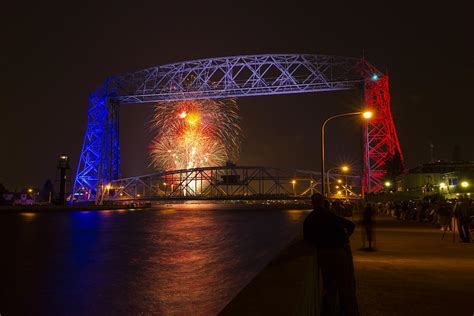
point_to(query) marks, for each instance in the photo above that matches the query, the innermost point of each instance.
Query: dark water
(190, 260)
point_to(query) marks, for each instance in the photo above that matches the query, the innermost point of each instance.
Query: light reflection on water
(28, 216)
(189, 261)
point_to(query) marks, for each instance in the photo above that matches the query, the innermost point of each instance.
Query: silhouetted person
(444, 214)
(330, 234)
(368, 223)
(462, 214)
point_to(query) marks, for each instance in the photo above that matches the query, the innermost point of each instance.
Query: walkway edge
(288, 285)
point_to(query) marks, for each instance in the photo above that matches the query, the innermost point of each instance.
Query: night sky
(54, 54)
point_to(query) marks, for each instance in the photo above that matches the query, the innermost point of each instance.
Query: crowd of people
(329, 229)
(447, 215)
(439, 213)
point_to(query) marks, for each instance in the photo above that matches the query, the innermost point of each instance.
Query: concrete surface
(413, 271)
(289, 285)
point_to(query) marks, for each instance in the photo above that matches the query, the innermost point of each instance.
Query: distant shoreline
(179, 205)
(64, 208)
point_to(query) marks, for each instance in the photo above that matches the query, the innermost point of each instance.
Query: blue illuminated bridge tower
(237, 76)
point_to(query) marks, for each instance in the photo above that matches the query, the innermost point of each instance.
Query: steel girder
(381, 142)
(236, 77)
(213, 182)
(218, 78)
(100, 155)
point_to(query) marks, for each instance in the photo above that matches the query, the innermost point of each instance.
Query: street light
(366, 115)
(344, 168)
(464, 184)
(293, 182)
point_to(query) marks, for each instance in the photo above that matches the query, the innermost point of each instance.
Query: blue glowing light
(375, 77)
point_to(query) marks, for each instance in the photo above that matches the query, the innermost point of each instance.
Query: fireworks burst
(195, 133)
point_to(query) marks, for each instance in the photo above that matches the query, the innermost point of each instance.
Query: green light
(375, 77)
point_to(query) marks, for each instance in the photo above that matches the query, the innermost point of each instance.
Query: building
(450, 179)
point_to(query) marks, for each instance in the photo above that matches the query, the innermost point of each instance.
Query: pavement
(413, 271)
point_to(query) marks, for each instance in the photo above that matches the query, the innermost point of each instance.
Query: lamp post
(166, 187)
(367, 115)
(343, 168)
(63, 165)
(107, 189)
(388, 184)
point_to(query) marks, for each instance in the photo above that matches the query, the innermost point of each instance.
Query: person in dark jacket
(462, 214)
(330, 235)
(368, 222)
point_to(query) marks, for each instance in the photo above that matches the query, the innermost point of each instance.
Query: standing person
(368, 223)
(462, 214)
(444, 213)
(330, 234)
(398, 211)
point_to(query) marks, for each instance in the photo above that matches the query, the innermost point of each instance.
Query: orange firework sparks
(195, 133)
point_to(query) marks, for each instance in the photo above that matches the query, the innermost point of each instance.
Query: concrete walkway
(413, 271)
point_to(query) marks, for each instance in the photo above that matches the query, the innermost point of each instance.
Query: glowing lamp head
(345, 168)
(165, 184)
(30, 190)
(388, 184)
(374, 77)
(107, 186)
(464, 184)
(442, 185)
(339, 181)
(138, 195)
(367, 114)
(339, 192)
(293, 181)
(182, 114)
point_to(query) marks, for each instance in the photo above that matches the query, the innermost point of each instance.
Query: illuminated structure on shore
(237, 76)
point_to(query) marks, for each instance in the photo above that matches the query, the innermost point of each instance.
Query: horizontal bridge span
(224, 168)
(218, 182)
(236, 77)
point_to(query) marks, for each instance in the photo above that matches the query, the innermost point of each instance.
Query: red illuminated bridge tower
(236, 76)
(381, 143)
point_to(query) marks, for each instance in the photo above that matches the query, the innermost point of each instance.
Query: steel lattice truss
(217, 182)
(230, 77)
(381, 142)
